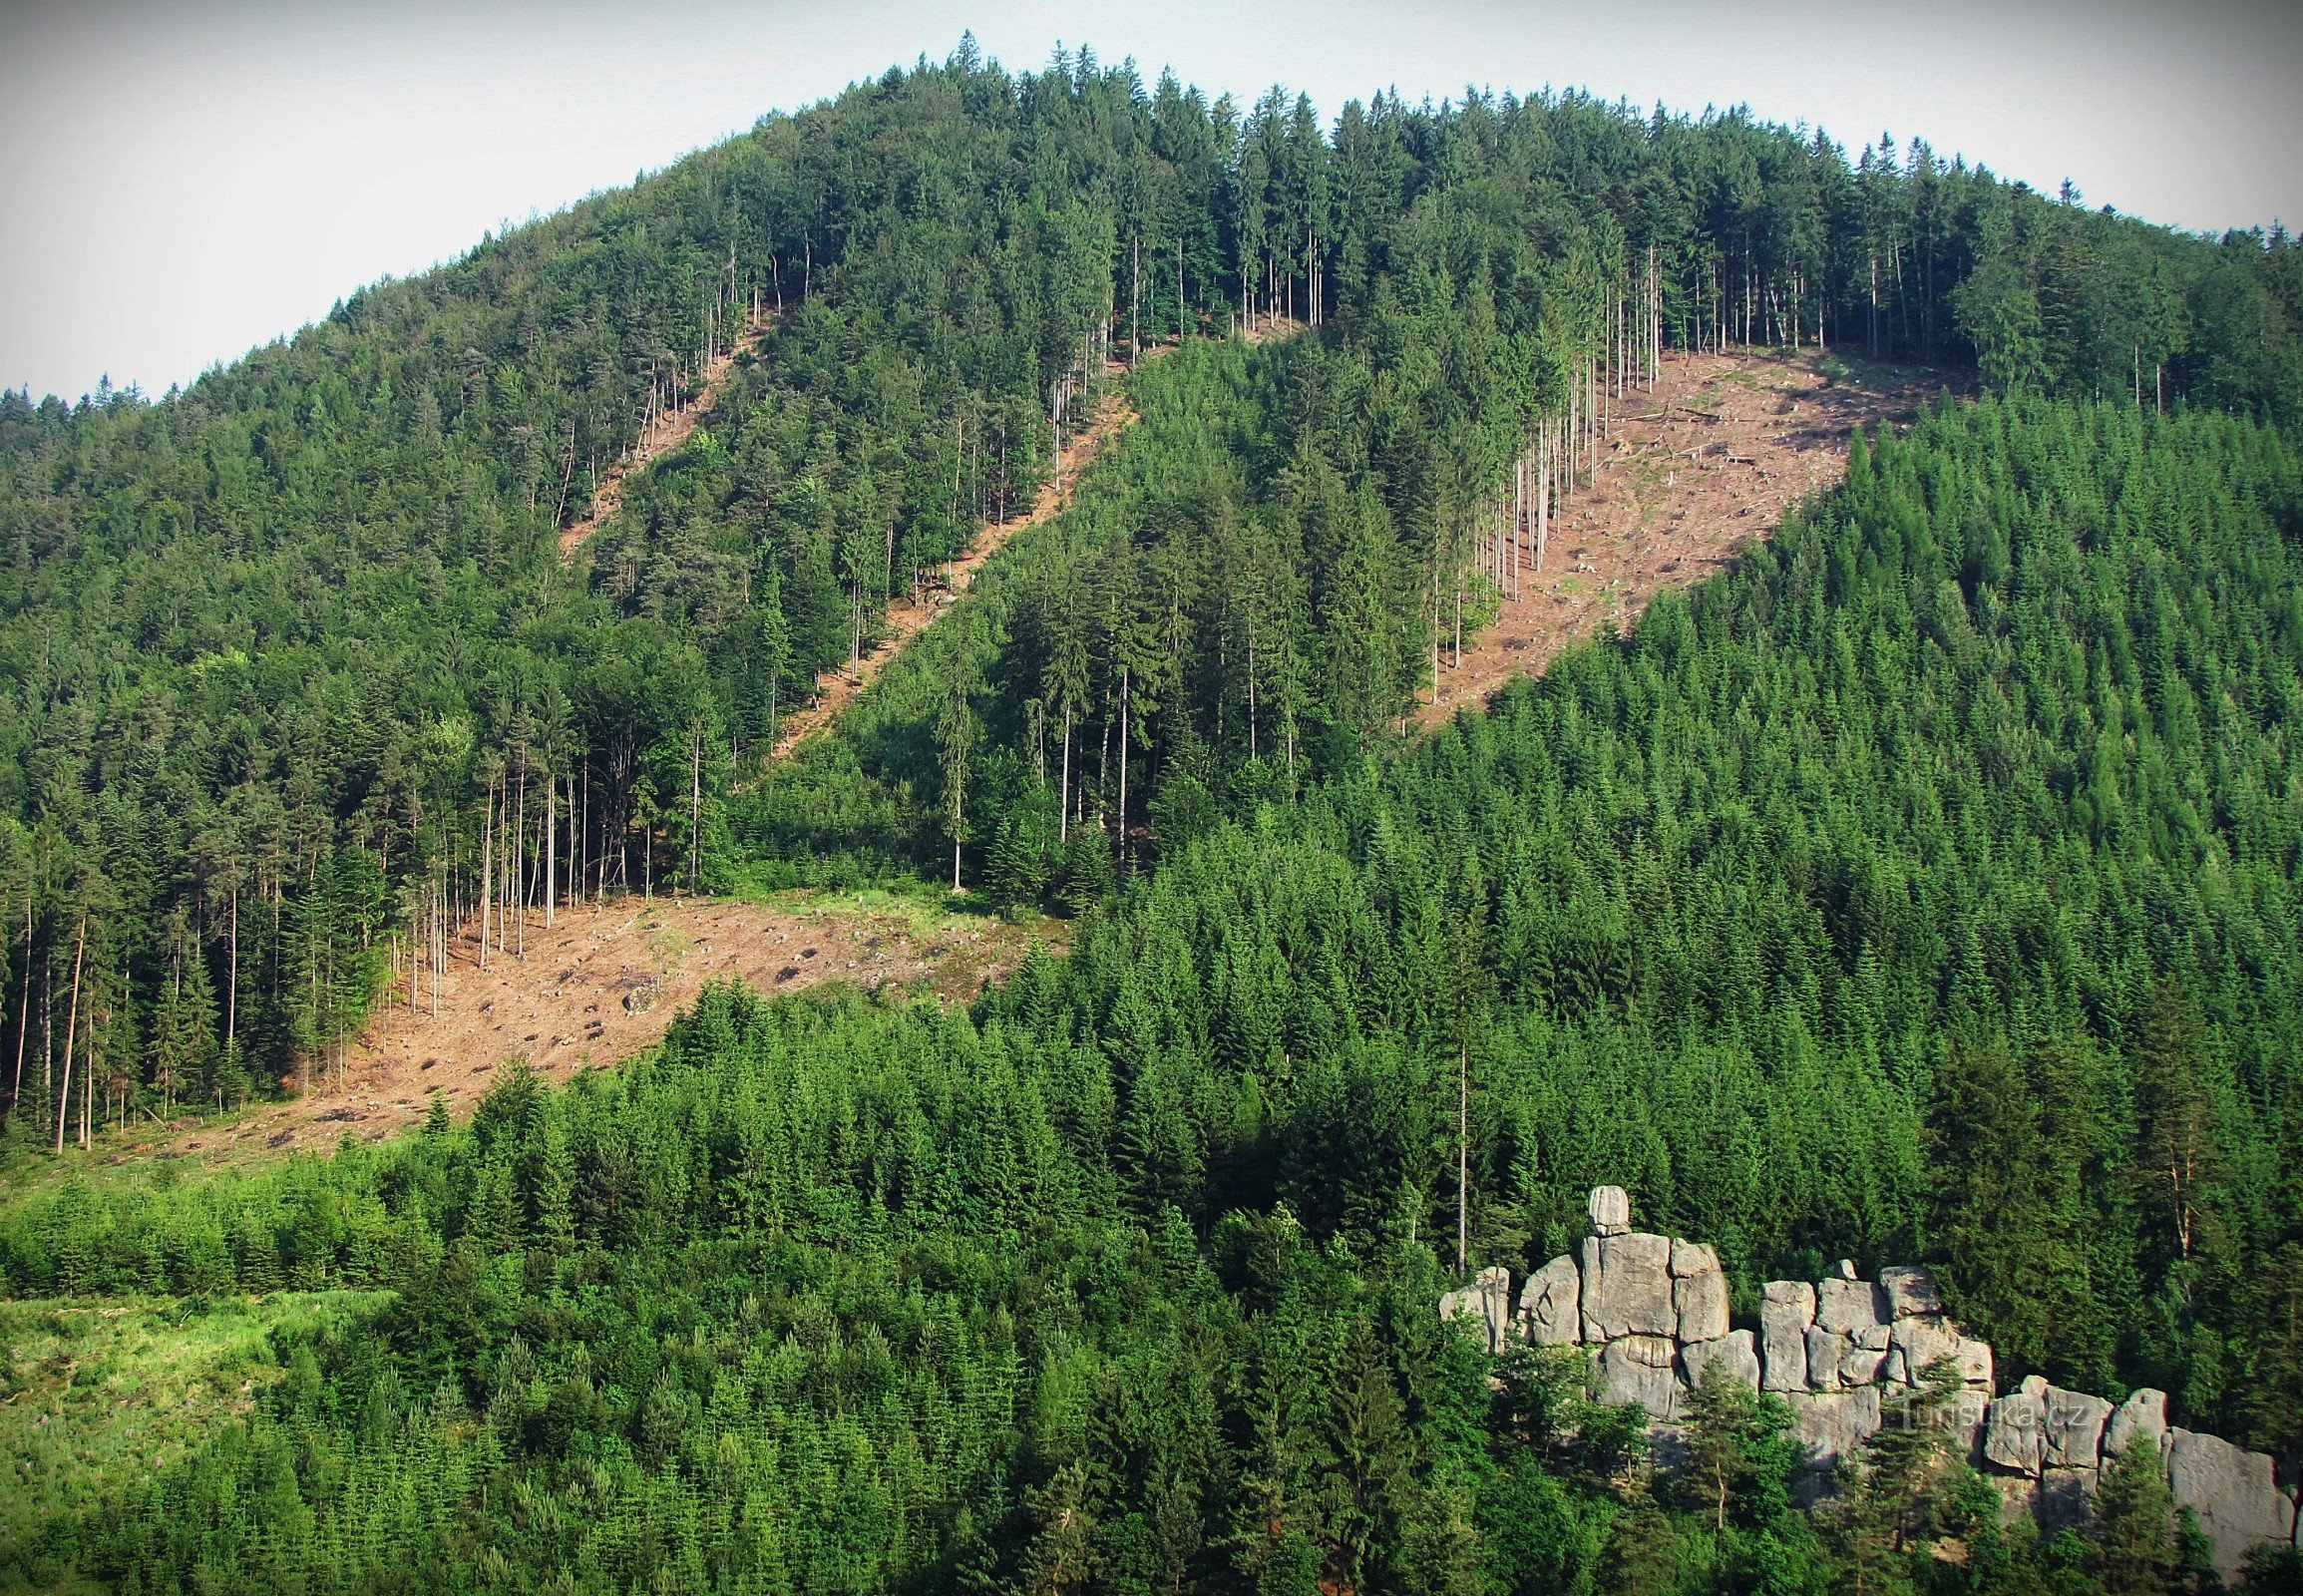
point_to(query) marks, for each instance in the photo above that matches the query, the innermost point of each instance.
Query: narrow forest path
(668, 432)
(1692, 472)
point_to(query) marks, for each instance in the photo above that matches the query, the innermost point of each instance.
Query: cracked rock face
(1909, 1291)
(1551, 1305)
(2232, 1491)
(2073, 1429)
(2145, 1415)
(1833, 1426)
(1733, 1355)
(1701, 1301)
(1626, 1287)
(1611, 1210)
(1786, 1310)
(2013, 1437)
(1641, 1368)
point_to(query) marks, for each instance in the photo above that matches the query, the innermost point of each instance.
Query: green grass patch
(98, 1396)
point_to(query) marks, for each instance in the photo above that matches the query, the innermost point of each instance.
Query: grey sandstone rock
(1786, 1309)
(1918, 1345)
(1825, 1352)
(1700, 1303)
(1910, 1291)
(1626, 1287)
(2232, 1491)
(1861, 1365)
(1833, 1426)
(2073, 1429)
(1963, 1416)
(1639, 1368)
(1611, 1210)
(2143, 1414)
(1732, 1354)
(1551, 1305)
(1975, 1362)
(1693, 1258)
(1486, 1302)
(1873, 1337)
(2013, 1437)
(2065, 1497)
(1847, 1306)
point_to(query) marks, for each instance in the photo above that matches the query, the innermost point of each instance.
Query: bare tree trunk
(72, 1029)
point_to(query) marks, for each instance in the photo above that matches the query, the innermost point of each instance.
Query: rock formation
(1654, 1311)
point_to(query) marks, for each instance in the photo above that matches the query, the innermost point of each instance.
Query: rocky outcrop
(1486, 1302)
(1551, 1305)
(1656, 1311)
(2234, 1492)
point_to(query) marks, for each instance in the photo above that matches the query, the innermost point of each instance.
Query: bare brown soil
(1691, 472)
(598, 986)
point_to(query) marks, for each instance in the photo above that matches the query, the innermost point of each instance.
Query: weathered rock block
(1639, 1368)
(1693, 1258)
(1833, 1426)
(2143, 1414)
(1909, 1291)
(1486, 1302)
(1847, 1306)
(2013, 1437)
(1732, 1354)
(1917, 1345)
(2232, 1491)
(1701, 1301)
(1611, 1210)
(1786, 1309)
(1551, 1305)
(1861, 1365)
(1825, 1350)
(1963, 1416)
(2073, 1425)
(1626, 1287)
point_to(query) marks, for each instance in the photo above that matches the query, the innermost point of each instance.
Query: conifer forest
(1924, 885)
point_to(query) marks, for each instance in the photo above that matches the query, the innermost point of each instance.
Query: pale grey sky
(189, 180)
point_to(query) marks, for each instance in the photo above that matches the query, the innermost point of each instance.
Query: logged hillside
(1923, 886)
(294, 679)
(1908, 891)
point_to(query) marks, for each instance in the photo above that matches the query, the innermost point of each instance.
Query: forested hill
(294, 676)
(1922, 887)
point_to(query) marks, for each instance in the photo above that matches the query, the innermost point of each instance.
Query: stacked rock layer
(1655, 1312)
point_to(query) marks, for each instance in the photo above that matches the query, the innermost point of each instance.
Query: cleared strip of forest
(662, 434)
(909, 615)
(1693, 470)
(595, 986)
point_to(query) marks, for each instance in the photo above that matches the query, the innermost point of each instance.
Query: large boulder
(1611, 1210)
(1849, 1306)
(1639, 1368)
(1551, 1305)
(2013, 1436)
(1786, 1309)
(1909, 1291)
(2232, 1491)
(1963, 1417)
(2072, 1426)
(1833, 1426)
(2143, 1414)
(1701, 1304)
(1486, 1302)
(1626, 1287)
(1732, 1354)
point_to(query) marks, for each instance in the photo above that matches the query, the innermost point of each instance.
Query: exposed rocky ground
(1655, 1312)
